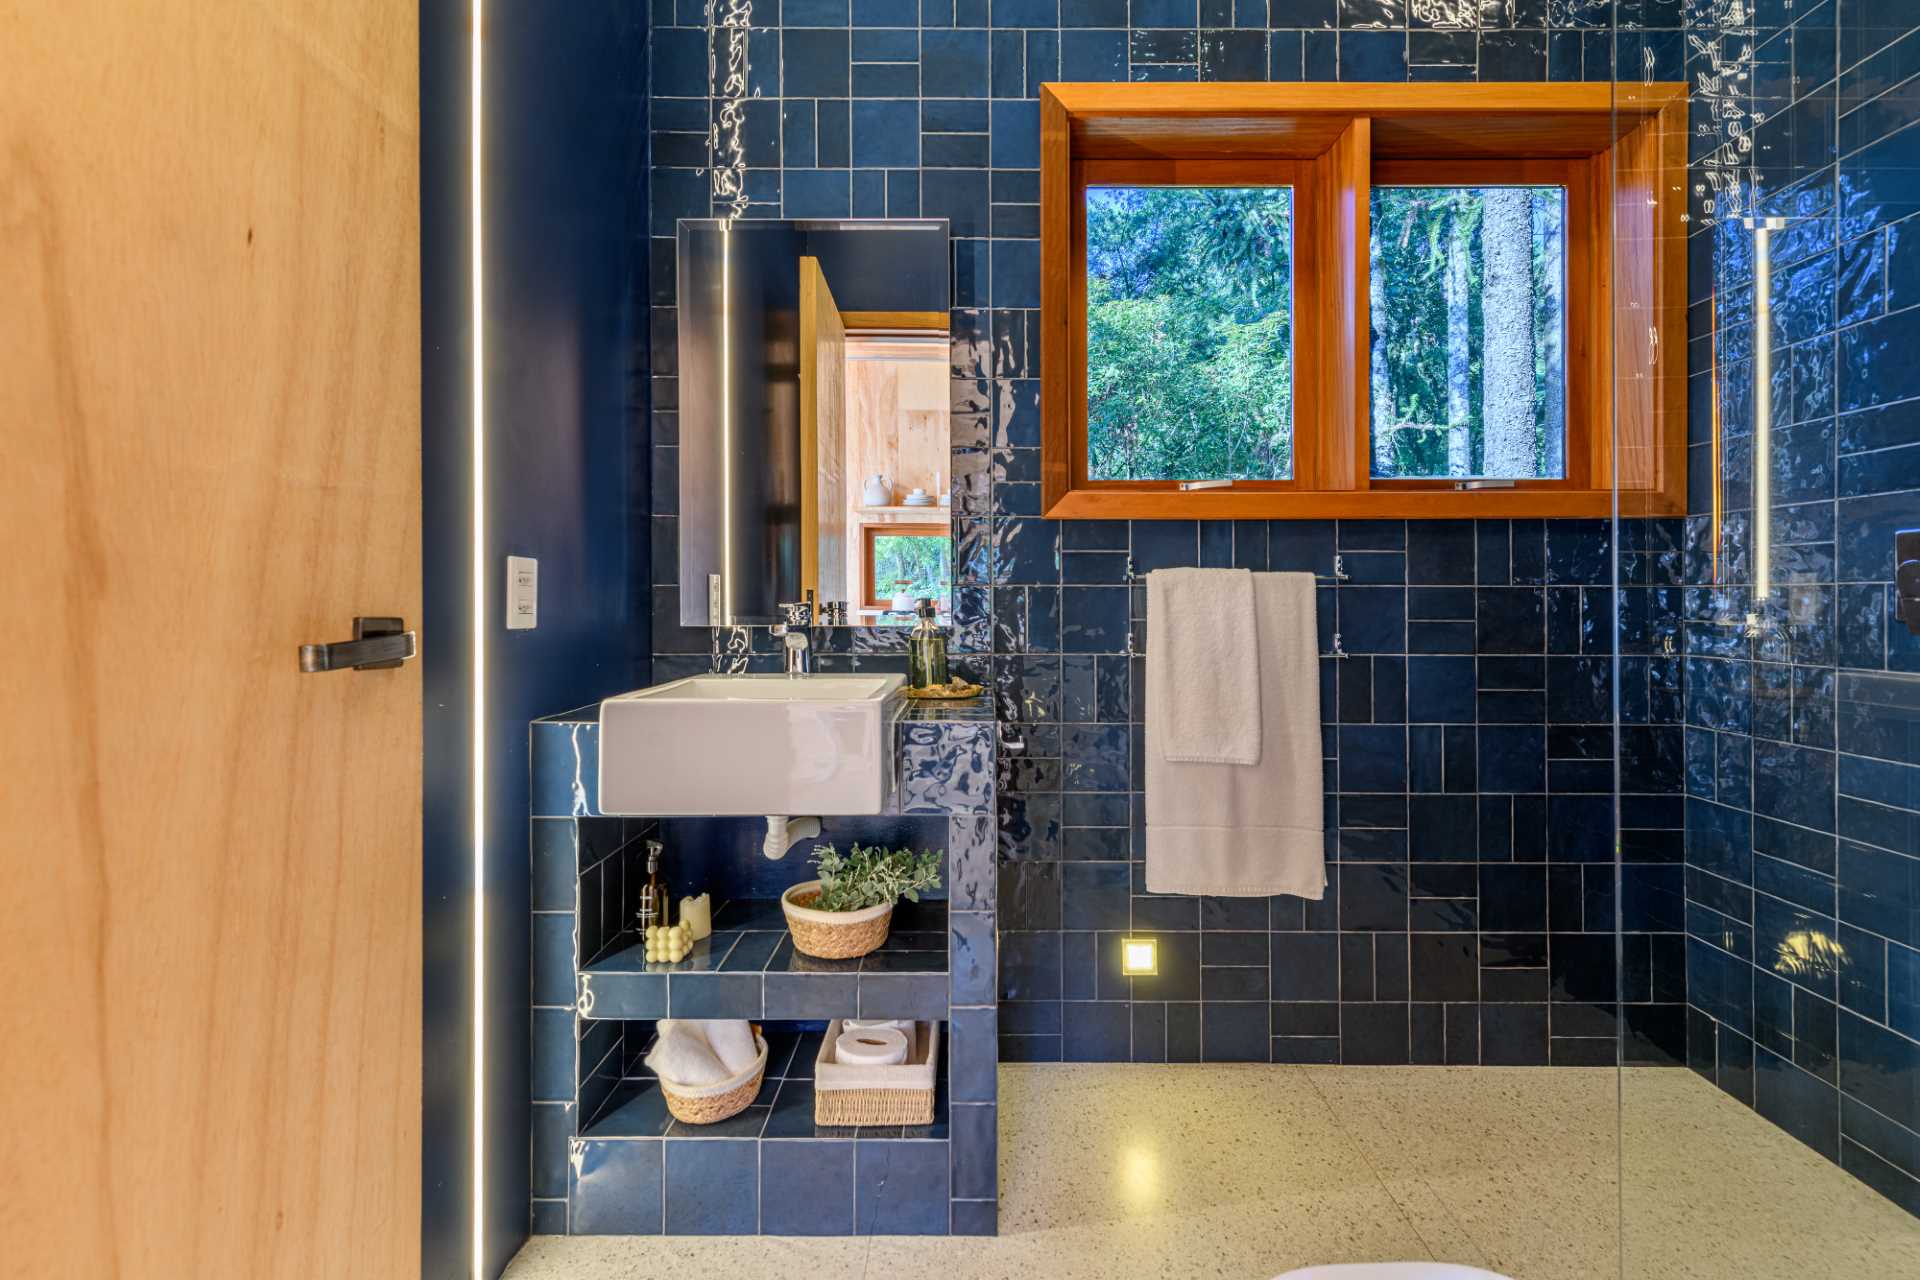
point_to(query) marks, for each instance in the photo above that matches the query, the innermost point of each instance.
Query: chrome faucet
(797, 651)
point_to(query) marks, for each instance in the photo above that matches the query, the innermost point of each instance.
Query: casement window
(1348, 300)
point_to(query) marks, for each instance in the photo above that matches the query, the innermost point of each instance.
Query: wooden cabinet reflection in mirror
(874, 409)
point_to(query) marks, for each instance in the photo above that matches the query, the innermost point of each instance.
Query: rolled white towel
(903, 1025)
(681, 1027)
(683, 1057)
(732, 1042)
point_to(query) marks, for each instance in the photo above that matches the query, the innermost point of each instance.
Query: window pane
(917, 564)
(1469, 317)
(1189, 333)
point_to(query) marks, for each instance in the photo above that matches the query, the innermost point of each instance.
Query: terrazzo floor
(1248, 1171)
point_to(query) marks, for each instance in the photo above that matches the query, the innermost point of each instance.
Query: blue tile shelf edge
(606, 1159)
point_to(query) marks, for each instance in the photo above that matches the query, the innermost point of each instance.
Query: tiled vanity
(608, 1159)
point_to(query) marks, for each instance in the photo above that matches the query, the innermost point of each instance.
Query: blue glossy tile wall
(1802, 862)
(1468, 741)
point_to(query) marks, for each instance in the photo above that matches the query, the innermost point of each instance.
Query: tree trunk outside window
(1382, 393)
(1506, 230)
(1459, 347)
(1552, 233)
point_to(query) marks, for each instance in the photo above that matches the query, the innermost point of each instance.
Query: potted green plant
(847, 911)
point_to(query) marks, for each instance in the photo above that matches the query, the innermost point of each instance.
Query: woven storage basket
(832, 935)
(712, 1103)
(903, 1094)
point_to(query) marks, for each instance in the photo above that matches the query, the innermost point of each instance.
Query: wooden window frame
(1618, 149)
(869, 589)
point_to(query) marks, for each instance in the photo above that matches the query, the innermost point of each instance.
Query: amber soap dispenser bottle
(655, 904)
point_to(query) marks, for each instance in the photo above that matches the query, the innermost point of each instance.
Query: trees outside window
(1189, 333)
(916, 560)
(1468, 306)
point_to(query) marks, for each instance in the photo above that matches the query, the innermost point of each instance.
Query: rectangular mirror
(813, 420)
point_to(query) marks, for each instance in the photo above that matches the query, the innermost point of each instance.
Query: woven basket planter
(832, 935)
(712, 1103)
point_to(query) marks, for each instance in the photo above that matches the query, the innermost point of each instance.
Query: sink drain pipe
(784, 833)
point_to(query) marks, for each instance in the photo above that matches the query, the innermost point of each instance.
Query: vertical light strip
(478, 445)
(1719, 496)
(726, 424)
(1763, 229)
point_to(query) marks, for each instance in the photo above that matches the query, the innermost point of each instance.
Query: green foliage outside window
(1469, 309)
(1189, 333)
(923, 561)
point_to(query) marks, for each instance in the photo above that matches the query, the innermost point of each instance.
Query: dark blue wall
(1803, 743)
(1469, 744)
(566, 366)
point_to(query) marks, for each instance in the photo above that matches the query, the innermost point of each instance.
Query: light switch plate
(523, 593)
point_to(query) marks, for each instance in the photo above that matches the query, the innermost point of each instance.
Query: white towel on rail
(1202, 630)
(1244, 830)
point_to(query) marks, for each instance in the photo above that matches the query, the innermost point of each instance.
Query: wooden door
(210, 408)
(823, 433)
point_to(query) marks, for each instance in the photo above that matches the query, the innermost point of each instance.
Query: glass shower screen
(1766, 693)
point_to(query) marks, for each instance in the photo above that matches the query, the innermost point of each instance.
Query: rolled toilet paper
(871, 1047)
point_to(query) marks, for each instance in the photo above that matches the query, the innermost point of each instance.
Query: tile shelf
(782, 1111)
(749, 968)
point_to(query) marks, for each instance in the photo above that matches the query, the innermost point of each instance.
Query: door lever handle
(377, 644)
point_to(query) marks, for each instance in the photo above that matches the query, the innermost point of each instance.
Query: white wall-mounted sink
(751, 745)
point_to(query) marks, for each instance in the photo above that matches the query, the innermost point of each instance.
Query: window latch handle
(1188, 486)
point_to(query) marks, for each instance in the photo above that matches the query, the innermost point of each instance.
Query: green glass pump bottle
(927, 649)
